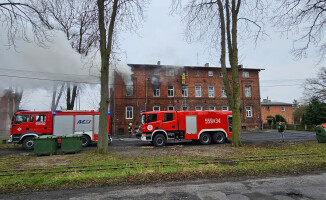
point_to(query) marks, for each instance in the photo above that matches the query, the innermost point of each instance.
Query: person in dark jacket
(280, 128)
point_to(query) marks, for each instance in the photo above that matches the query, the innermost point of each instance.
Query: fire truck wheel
(218, 138)
(86, 140)
(159, 140)
(205, 138)
(28, 143)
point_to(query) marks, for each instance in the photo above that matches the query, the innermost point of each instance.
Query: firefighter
(130, 129)
(280, 128)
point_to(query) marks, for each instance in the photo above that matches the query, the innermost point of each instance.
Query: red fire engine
(26, 125)
(204, 126)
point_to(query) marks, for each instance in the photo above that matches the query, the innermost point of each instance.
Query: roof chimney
(240, 66)
(158, 62)
(206, 64)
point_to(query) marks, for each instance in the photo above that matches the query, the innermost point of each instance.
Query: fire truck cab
(204, 126)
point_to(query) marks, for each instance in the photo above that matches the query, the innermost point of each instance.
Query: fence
(292, 127)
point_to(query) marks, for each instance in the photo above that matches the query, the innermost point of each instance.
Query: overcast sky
(161, 38)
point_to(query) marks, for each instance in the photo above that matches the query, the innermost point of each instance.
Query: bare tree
(19, 16)
(113, 16)
(77, 20)
(15, 98)
(217, 22)
(316, 87)
(306, 20)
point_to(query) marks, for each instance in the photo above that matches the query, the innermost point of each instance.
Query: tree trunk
(71, 96)
(105, 49)
(236, 113)
(55, 98)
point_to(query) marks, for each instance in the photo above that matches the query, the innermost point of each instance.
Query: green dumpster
(45, 145)
(321, 133)
(71, 143)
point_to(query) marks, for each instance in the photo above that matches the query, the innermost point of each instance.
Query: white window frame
(247, 91)
(169, 91)
(199, 108)
(211, 92)
(225, 108)
(197, 94)
(197, 73)
(223, 93)
(221, 74)
(158, 93)
(248, 111)
(185, 107)
(210, 73)
(245, 74)
(283, 108)
(184, 88)
(169, 72)
(209, 108)
(159, 108)
(127, 111)
(170, 107)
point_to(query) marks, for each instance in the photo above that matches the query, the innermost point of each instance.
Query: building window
(221, 74)
(198, 91)
(223, 94)
(184, 107)
(169, 72)
(199, 108)
(156, 108)
(211, 108)
(156, 92)
(248, 91)
(185, 72)
(129, 112)
(170, 91)
(157, 72)
(245, 74)
(267, 108)
(210, 73)
(211, 92)
(170, 107)
(129, 90)
(248, 111)
(283, 108)
(225, 108)
(184, 91)
(197, 73)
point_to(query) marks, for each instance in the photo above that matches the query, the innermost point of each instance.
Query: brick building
(4, 110)
(269, 108)
(166, 87)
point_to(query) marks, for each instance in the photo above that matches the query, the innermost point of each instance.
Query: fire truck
(204, 126)
(26, 125)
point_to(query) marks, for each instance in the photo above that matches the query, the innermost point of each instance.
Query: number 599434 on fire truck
(159, 127)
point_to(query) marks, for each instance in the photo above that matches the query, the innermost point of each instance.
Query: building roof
(275, 104)
(193, 67)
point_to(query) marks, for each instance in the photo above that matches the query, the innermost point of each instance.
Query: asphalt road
(303, 187)
(269, 136)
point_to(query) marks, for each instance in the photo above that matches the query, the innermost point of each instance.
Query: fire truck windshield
(21, 119)
(143, 119)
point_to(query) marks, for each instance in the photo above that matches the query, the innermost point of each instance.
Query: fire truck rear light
(109, 113)
(54, 112)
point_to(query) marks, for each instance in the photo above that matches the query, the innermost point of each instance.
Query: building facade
(269, 108)
(166, 87)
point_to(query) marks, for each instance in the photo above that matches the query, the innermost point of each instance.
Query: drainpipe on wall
(146, 94)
